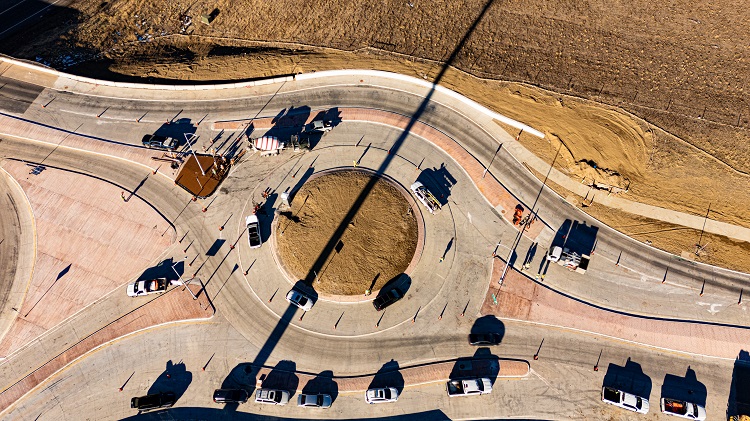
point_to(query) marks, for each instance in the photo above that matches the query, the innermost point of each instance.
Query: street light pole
(186, 284)
(188, 140)
(698, 246)
(528, 222)
(492, 160)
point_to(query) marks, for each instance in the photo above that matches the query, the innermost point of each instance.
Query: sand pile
(377, 244)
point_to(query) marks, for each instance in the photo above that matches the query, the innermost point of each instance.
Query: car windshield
(320, 400)
(695, 411)
(302, 300)
(638, 403)
(387, 393)
(276, 396)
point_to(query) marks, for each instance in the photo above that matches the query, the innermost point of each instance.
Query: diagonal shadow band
(286, 318)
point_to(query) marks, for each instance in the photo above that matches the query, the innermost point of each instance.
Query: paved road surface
(249, 328)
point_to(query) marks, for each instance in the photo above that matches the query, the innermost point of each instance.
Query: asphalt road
(645, 265)
(247, 329)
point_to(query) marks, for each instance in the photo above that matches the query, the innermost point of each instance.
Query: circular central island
(348, 231)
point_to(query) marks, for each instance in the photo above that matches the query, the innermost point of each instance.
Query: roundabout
(435, 277)
(255, 338)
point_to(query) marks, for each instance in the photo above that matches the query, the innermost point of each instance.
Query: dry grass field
(651, 93)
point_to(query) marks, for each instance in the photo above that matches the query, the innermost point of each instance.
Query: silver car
(272, 396)
(381, 395)
(314, 401)
(299, 299)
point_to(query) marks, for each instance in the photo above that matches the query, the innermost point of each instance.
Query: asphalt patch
(16, 96)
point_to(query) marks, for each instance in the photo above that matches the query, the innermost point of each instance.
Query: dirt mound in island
(376, 245)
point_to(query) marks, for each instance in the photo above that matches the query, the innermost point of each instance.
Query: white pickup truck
(683, 409)
(424, 196)
(469, 387)
(624, 400)
(148, 286)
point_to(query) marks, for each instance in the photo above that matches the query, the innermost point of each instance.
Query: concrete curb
(429, 85)
(25, 269)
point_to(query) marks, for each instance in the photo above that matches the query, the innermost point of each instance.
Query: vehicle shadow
(389, 375)
(738, 402)
(289, 122)
(187, 413)
(175, 378)
(576, 236)
(322, 383)
(177, 129)
(686, 388)
(482, 364)
(163, 270)
(489, 324)
(401, 281)
(265, 215)
(242, 376)
(332, 116)
(629, 378)
(282, 377)
(439, 181)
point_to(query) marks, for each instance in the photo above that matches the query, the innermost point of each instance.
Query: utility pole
(492, 160)
(525, 226)
(188, 140)
(698, 246)
(186, 284)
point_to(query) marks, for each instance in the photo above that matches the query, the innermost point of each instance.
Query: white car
(314, 401)
(272, 396)
(624, 400)
(300, 300)
(381, 395)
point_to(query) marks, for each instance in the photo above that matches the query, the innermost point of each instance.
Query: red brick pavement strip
(520, 298)
(20, 128)
(491, 189)
(412, 376)
(172, 306)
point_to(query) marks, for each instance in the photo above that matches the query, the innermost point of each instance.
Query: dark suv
(159, 142)
(155, 401)
(230, 395)
(387, 298)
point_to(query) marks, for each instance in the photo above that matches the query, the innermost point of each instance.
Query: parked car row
(631, 402)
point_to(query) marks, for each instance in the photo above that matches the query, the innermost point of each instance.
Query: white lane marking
(713, 308)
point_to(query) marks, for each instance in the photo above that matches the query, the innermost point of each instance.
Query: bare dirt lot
(376, 246)
(648, 96)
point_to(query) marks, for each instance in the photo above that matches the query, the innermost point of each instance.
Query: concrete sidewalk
(522, 299)
(172, 306)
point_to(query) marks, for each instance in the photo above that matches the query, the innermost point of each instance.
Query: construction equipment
(266, 145)
(424, 196)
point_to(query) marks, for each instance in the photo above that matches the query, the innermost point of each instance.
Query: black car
(159, 142)
(484, 339)
(231, 395)
(387, 298)
(155, 401)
